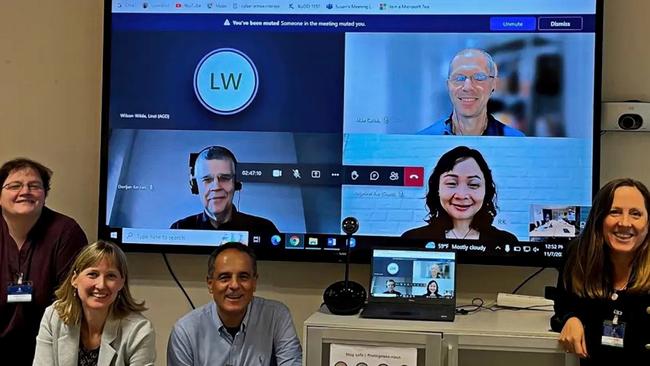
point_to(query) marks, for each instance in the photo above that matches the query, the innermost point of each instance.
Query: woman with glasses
(95, 321)
(37, 246)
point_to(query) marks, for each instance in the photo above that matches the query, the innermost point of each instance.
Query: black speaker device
(346, 297)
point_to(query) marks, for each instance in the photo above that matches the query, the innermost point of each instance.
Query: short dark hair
(485, 216)
(23, 163)
(231, 245)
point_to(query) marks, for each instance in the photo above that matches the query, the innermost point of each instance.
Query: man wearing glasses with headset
(37, 246)
(471, 82)
(213, 178)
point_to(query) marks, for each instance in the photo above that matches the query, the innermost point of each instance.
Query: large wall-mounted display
(455, 126)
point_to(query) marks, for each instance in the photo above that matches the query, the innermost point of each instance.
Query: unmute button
(513, 24)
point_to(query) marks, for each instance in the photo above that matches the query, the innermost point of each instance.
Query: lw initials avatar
(226, 81)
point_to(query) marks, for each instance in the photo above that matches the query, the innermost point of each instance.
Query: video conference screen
(454, 125)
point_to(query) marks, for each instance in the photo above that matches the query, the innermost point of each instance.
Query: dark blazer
(125, 341)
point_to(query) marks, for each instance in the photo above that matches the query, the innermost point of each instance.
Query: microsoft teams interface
(344, 108)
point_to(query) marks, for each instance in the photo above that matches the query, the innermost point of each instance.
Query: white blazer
(125, 341)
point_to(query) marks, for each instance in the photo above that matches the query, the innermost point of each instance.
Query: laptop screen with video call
(413, 276)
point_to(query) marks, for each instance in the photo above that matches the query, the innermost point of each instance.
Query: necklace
(619, 289)
(453, 232)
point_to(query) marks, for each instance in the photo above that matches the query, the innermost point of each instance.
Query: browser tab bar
(405, 7)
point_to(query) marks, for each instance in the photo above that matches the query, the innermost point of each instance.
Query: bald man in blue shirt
(471, 82)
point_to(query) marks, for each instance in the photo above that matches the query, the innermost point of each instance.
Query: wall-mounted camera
(626, 116)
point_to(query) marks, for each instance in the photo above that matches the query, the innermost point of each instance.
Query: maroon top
(44, 259)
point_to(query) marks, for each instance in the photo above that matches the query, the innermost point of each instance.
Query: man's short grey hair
(469, 52)
(217, 153)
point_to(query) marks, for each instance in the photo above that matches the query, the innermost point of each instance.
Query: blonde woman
(95, 320)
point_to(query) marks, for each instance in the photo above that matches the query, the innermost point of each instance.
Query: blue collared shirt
(266, 337)
(493, 128)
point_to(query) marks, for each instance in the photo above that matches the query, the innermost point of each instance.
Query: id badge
(20, 292)
(613, 334)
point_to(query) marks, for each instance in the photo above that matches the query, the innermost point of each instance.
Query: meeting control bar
(321, 174)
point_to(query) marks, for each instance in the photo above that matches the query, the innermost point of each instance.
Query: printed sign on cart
(346, 355)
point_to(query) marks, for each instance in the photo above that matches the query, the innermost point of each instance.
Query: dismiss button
(560, 24)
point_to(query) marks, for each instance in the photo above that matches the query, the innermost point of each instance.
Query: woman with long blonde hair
(95, 320)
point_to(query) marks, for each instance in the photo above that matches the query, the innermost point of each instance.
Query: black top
(238, 222)
(88, 358)
(437, 233)
(593, 312)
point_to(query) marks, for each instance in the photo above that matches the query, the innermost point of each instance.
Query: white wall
(50, 95)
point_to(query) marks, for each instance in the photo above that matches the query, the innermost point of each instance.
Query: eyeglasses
(18, 186)
(479, 77)
(221, 178)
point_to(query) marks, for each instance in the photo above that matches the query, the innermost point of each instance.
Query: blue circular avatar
(226, 81)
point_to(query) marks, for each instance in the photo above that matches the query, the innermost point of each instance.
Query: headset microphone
(214, 152)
